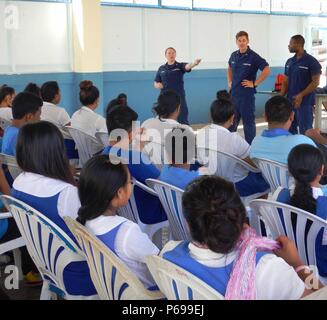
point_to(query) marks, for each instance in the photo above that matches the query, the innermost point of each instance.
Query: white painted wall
(135, 38)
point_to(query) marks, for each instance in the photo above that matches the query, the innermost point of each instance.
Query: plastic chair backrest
(276, 215)
(178, 284)
(171, 200)
(222, 164)
(275, 173)
(111, 278)
(103, 138)
(86, 144)
(50, 248)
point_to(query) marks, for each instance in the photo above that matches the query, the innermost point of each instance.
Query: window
(296, 6)
(137, 2)
(177, 3)
(234, 5)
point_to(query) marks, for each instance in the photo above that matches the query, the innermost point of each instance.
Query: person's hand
(312, 133)
(297, 100)
(230, 85)
(197, 62)
(288, 252)
(247, 84)
(159, 85)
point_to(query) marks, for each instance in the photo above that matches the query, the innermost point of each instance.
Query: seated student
(7, 95)
(26, 108)
(167, 110)
(33, 88)
(216, 136)
(306, 165)
(277, 142)
(103, 188)
(180, 151)
(225, 252)
(121, 100)
(121, 136)
(85, 118)
(48, 186)
(51, 112)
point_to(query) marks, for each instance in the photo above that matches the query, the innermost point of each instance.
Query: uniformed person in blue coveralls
(242, 81)
(171, 76)
(302, 75)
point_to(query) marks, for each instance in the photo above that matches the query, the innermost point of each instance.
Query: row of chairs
(52, 250)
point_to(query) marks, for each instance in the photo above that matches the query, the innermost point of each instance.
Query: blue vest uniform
(300, 73)
(172, 78)
(149, 206)
(245, 67)
(217, 278)
(77, 274)
(284, 196)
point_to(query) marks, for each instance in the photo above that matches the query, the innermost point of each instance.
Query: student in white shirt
(51, 112)
(216, 136)
(103, 188)
(167, 110)
(85, 118)
(216, 219)
(7, 95)
(47, 185)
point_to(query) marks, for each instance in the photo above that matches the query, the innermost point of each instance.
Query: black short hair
(121, 118)
(168, 102)
(180, 146)
(49, 90)
(222, 109)
(88, 93)
(33, 88)
(41, 149)
(242, 34)
(214, 212)
(278, 109)
(5, 91)
(25, 103)
(299, 39)
(99, 183)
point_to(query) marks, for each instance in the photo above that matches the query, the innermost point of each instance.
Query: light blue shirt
(9, 141)
(276, 144)
(178, 177)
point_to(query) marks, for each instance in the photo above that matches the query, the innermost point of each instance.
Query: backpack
(279, 82)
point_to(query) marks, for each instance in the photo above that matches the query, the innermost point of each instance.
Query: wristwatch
(254, 86)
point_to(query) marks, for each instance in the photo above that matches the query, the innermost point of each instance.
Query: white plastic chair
(270, 212)
(49, 247)
(111, 278)
(13, 245)
(178, 284)
(12, 165)
(171, 199)
(4, 123)
(130, 212)
(275, 173)
(223, 164)
(86, 144)
(103, 138)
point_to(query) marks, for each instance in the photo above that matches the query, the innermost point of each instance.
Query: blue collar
(275, 133)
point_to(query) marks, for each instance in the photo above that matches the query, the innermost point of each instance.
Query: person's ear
(322, 170)
(292, 116)
(232, 118)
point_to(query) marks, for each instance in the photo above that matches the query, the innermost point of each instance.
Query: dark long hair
(304, 164)
(214, 212)
(40, 149)
(99, 183)
(168, 102)
(5, 91)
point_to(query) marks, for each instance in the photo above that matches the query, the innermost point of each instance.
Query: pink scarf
(241, 285)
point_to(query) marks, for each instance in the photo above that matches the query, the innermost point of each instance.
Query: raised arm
(190, 66)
